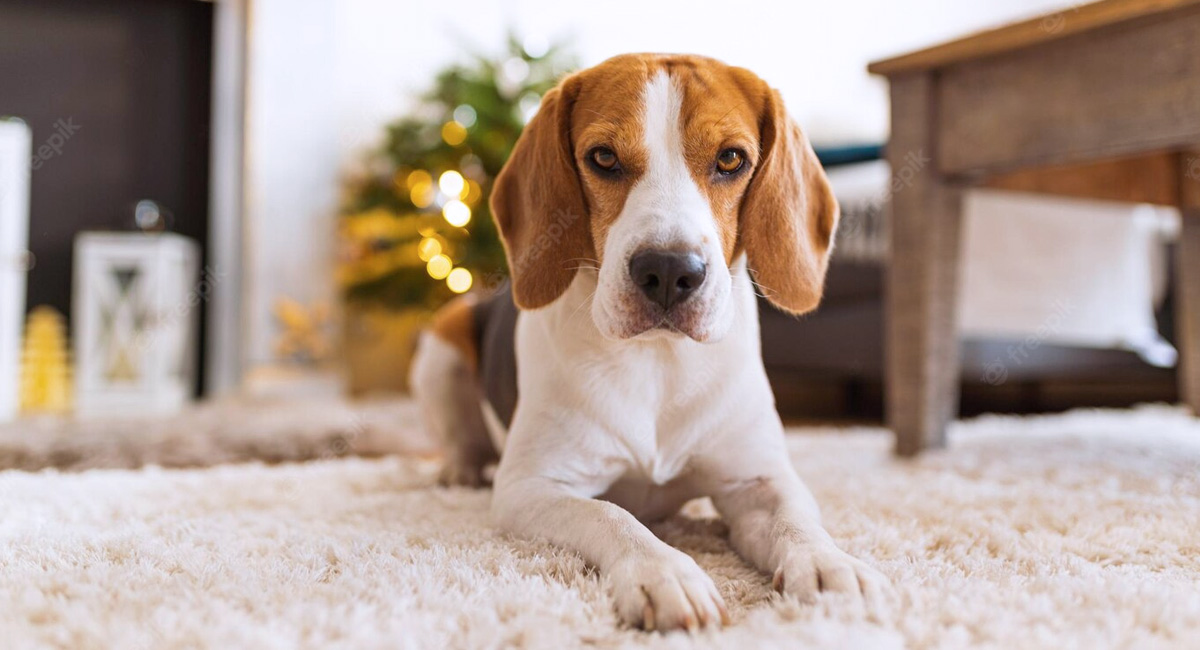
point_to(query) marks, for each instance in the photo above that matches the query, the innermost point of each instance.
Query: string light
(422, 194)
(439, 266)
(417, 177)
(459, 280)
(515, 70)
(535, 46)
(471, 193)
(457, 213)
(454, 133)
(451, 183)
(428, 249)
(464, 114)
(472, 165)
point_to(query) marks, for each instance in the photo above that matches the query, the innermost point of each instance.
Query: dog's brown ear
(539, 207)
(789, 214)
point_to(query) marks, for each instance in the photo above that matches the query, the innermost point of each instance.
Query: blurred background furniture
(1096, 101)
(1041, 330)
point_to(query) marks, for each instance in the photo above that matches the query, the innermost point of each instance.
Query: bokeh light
(439, 266)
(459, 280)
(536, 46)
(471, 193)
(428, 249)
(451, 183)
(418, 177)
(457, 213)
(465, 115)
(454, 133)
(422, 194)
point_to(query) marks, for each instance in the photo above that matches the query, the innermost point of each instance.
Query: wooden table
(1100, 101)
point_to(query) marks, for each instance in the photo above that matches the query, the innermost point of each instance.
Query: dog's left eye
(604, 159)
(730, 161)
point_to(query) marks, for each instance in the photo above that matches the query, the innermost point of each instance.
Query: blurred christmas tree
(415, 227)
(45, 363)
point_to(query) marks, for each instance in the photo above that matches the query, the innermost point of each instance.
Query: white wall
(325, 75)
(293, 155)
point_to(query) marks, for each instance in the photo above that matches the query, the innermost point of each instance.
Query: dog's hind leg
(444, 382)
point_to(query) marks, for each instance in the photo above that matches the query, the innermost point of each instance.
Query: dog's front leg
(654, 585)
(775, 524)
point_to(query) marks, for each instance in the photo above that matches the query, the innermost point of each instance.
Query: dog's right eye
(604, 159)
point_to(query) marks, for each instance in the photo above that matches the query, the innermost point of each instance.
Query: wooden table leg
(922, 334)
(1187, 318)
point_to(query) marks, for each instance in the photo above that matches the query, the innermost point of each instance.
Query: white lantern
(16, 152)
(134, 322)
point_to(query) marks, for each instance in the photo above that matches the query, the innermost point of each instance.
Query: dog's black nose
(667, 277)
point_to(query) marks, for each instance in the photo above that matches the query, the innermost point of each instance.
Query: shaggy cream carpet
(1074, 531)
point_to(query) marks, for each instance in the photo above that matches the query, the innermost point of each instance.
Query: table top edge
(1025, 33)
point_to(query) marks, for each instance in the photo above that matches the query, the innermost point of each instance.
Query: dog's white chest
(665, 467)
(667, 406)
(655, 462)
(634, 411)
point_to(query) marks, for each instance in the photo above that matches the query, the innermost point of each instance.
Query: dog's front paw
(808, 570)
(464, 468)
(666, 592)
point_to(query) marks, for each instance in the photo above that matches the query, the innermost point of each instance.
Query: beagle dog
(621, 375)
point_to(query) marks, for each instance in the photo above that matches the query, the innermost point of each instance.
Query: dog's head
(660, 172)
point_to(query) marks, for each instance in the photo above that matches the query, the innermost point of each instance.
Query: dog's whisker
(586, 301)
(737, 287)
(765, 289)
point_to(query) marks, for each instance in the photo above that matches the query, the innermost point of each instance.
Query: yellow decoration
(303, 336)
(451, 183)
(454, 133)
(456, 213)
(439, 267)
(459, 280)
(428, 248)
(45, 364)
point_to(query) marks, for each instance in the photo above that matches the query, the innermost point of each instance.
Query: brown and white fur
(629, 407)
